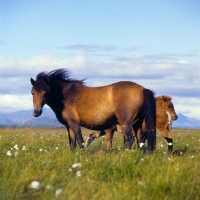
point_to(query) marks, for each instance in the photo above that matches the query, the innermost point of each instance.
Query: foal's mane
(163, 97)
(59, 75)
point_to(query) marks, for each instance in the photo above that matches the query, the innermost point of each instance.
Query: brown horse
(165, 114)
(95, 108)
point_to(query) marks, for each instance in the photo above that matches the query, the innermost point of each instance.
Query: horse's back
(127, 95)
(109, 96)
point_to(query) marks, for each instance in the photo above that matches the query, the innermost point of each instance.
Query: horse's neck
(158, 104)
(57, 95)
(55, 104)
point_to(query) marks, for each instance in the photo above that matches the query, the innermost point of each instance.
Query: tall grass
(43, 155)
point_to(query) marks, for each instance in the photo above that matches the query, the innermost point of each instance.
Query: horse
(165, 114)
(97, 108)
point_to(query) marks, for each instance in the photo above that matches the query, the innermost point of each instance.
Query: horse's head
(165, 103)
(39, 91)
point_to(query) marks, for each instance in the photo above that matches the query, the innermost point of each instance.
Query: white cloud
(189, 106)
(183, 62)
(46, 62)
(11, 103)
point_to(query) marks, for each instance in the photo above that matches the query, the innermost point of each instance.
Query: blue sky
(154, 43)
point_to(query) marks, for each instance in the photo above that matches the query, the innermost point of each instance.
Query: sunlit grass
(37, 164)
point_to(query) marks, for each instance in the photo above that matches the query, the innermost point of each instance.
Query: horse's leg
(72, 138)
(74, 129)
(93, 136)
(128, 135)
(166, 134)
(77, 132)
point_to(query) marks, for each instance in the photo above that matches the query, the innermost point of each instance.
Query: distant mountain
(25, 118)
(185, 122)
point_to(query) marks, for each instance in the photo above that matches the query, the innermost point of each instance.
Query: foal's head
(165, 103)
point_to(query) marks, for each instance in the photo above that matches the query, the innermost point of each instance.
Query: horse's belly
(99, 123)
(97, 127)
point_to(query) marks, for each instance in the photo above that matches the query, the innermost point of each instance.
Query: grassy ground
(43, 156)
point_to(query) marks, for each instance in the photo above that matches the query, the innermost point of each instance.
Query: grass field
(37, 164)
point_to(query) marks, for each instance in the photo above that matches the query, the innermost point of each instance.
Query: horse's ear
(32, 81)
(164, 98)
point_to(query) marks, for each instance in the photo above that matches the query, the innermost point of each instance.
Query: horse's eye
(32, 93)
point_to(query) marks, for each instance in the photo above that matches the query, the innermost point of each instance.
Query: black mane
(44, 79)
(59, 75)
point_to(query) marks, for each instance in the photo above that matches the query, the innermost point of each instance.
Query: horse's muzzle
(37, 112)
(175, 117)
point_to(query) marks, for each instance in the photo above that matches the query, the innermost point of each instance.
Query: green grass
(115, 174)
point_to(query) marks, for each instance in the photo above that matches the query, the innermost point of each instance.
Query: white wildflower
(16, 147)
(140, 182)
(35, 185)
(161, 145)
(9, 153)
(24, 148)
(41, 150)
(142, 159)
(16, 153)
(78, 173)
(49, 187)
(76, 165)
(58, 192)
(191, 156)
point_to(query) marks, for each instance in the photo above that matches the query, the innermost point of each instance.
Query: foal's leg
(170, 144)
(166, 134)
(139, 128)
(141, 137)
(109, 137)
(93, 136)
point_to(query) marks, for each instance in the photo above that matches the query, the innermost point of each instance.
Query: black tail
(150, 118)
